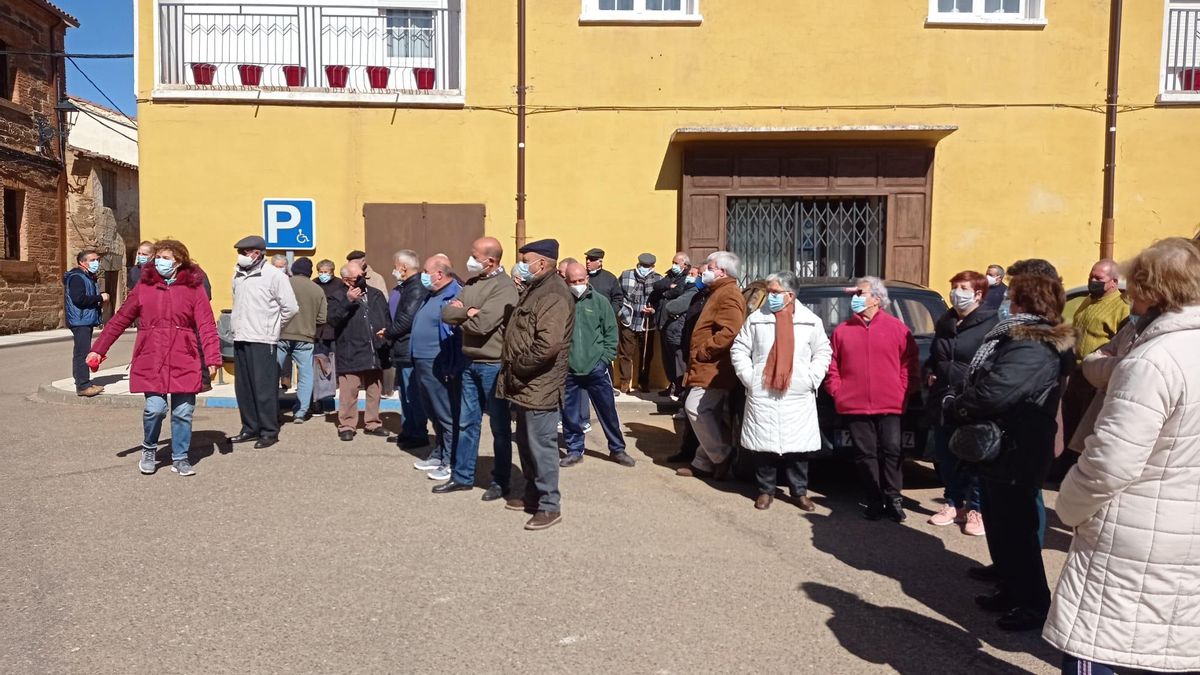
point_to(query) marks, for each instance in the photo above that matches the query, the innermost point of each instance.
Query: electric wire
(102, 93)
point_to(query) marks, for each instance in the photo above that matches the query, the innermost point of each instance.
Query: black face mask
(1096, 288)
(361, 283)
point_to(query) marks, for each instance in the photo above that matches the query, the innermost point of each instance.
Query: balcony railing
(1181, 67)
(320, 51)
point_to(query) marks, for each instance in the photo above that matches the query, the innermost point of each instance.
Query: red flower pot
(251, 75)
(425, 77)
(1190, 79)
(378, 76)
(337, 75)
(294, 75)
(203, 73)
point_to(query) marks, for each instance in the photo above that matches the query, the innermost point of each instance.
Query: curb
(34, 341)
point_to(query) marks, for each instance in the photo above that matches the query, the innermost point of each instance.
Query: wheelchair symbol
(302, 238)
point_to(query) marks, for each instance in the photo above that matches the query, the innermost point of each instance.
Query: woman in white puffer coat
(1129, 595)
(781, 356)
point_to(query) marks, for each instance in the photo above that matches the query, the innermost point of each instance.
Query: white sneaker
(587, 427)
(440, 473)
(427, 464)
(944, 517)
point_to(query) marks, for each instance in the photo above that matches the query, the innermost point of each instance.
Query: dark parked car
(919, 308)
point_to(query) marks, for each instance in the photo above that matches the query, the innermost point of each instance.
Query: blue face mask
(165, 267)
(676, 269)
(690, 280)
(776, 302)
(522, 271)
(325, 277)
(643, 271)
(1005, 311)
(141, 259)
(93, 266)
(426, 280)
(858, 304)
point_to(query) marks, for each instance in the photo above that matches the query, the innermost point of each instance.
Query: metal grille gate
(811, 236)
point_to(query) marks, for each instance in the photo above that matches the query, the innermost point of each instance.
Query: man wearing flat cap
(601, 280)
(374, 279)
(636, 319)
(533, 375)
(263, 302)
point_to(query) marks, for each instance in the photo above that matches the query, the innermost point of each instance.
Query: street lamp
(67, 113)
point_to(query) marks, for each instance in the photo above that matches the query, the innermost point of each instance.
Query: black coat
(954, 345)
(689, 320)
(355, 325)
(673, 319)
(333, 288)
(994, 297)
(604, 283)
(1019, 388)
(399, 332)
(669, 286)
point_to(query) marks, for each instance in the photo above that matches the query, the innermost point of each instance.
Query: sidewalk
(34, 337)
(116, 394)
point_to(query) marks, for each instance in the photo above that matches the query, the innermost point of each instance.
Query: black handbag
(978, 443)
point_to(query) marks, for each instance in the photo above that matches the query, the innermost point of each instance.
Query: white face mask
(708, 277)
(993, 280)
(579, 289)
(245, 261)
(397, 275)
(963, 300)
(474, 266)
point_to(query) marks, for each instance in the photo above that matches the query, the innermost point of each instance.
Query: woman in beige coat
(1128, 596)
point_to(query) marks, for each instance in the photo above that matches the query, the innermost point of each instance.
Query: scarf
(992, 339)
(777, 376)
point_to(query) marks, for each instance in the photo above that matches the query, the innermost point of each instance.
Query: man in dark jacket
(593, 346)
(323, 371)
(996, 288)
(82, 302)
(406, 298)
(357, 315)
(533, 376)
(672, 286)
(298, 336)
(689, 442)
(602, 281)
(436, 349)
(134, 274)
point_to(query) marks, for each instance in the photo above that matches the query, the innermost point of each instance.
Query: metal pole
(520, 233)
(1108, 223)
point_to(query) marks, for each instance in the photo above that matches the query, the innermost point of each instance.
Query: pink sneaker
(944, 517)
(974, 526)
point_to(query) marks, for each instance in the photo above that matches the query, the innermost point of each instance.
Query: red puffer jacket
(166, 358)
(873, 366)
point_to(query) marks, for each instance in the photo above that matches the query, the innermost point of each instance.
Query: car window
(915, 314)
(832, 305)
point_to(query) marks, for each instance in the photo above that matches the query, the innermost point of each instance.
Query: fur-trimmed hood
(191, 276)
(1061, 338)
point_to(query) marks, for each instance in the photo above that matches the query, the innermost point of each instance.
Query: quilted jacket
(1128, 595)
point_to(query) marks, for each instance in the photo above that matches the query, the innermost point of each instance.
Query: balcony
(1180, 81)
(389, 52)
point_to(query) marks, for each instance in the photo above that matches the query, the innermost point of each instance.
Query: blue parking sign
(290, 224)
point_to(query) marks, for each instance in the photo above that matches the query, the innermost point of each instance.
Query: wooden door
(425, 228)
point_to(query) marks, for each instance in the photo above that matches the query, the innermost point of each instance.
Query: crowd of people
(534, 349)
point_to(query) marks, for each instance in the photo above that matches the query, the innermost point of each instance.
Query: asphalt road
(323, 556)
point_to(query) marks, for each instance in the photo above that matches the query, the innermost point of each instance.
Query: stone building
(31, 164)
(102, 191)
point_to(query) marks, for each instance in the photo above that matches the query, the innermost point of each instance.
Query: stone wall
(113, 232)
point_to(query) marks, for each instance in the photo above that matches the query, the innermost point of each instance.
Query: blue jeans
(962, 485)
(302, 356)
(441, 401)
(597, 386)
(478, 395)
(415, 425)
(182, 407)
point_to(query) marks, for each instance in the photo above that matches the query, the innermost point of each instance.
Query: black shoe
(571, 459)
(493, 493)
(1021, 619)
(297, 420)
(666, 392)
(265, 443)
(377, 431)
(986, 573)
(681, 457)
(895, 510)
(995, 602)
(623, 459)
(873, 512)
(451, 486)
(242, 438)
(346, 435)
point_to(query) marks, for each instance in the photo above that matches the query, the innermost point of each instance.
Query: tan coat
(709, 364)
(537, 343)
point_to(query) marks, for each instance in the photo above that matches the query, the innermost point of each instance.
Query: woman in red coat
(173, 309)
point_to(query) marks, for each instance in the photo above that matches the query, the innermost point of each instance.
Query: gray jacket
(263, 302)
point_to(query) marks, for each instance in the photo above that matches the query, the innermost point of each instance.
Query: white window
(410, 33)
(641, 11)
(1180, 76)
(1010, 12)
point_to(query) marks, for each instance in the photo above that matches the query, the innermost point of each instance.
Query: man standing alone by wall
(81, 312)
(263, 302)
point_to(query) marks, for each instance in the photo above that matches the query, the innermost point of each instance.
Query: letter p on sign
(290, 224)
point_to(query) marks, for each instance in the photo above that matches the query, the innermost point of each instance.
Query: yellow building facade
(630, 100)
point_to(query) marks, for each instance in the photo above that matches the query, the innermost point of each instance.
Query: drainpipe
(520, 234)
(1108, 225)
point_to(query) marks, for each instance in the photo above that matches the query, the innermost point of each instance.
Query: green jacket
(594, 340)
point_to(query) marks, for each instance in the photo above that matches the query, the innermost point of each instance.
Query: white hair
(407, 257)
(877, 289)
(724, 260)
(786, 281)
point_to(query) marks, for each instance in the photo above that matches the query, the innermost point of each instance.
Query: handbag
(979, 442)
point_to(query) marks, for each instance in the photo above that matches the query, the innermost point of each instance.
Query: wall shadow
(906, 641)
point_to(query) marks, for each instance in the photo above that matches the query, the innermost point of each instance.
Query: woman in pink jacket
(175, 315)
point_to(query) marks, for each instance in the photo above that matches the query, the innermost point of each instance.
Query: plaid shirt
(637, 294)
